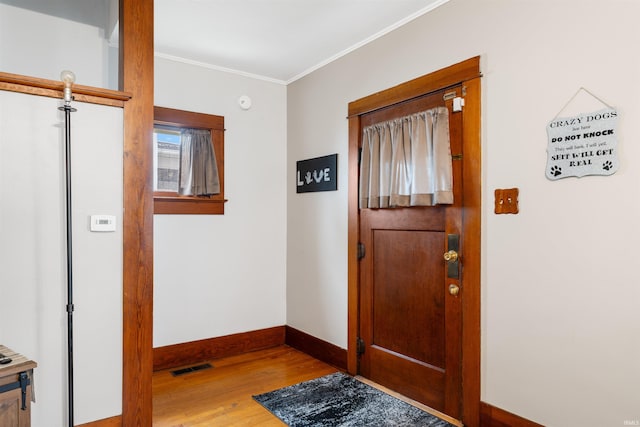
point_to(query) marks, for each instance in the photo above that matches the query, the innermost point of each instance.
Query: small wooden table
(15, 389)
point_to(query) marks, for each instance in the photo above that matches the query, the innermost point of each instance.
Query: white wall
(33, 281)
(217, 275)
(560, 291)
(39, 45)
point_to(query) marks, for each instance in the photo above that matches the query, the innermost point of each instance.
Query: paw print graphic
(556, 170)
(308, 178)
(607, 165)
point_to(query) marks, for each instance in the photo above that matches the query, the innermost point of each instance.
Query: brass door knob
(451, 256)
(454, 289)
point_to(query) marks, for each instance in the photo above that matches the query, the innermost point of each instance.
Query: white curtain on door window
(407, 161)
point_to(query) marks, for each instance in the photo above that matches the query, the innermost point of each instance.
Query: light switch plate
(506, 201)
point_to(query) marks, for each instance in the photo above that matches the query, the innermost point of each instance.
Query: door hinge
(360, 346)
(361, 251)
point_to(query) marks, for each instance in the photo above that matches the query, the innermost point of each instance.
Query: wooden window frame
(166, 202)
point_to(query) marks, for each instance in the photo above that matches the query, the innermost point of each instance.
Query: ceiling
(276, 40)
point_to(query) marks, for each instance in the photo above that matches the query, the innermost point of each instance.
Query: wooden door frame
(468, 74)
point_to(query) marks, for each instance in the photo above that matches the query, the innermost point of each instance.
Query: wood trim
(437, 80)
(180, 118)
(187, 206)
(467, 73)
(353, 270)
(107, 422)
(136, 77)
(321, 350)
(490, 416)
(193, 352)
(470, 252)
(53, 89)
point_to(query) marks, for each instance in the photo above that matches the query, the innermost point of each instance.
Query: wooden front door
(410, 298)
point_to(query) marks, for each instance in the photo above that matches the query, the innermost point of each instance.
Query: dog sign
(583, 145)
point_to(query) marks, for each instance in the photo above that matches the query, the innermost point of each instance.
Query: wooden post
(136, 77)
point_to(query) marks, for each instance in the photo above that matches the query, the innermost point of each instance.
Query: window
(166, 155)
(169, 124)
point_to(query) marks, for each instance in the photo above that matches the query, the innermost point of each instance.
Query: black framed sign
(317, 174)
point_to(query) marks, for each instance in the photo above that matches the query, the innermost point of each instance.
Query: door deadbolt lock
(451, 256)
(454, 289)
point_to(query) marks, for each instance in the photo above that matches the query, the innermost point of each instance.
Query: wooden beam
(136, 78)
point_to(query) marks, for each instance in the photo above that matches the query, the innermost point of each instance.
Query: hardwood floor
(221, 396)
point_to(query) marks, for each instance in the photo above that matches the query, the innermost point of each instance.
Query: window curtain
(198, 169)
(407, 161)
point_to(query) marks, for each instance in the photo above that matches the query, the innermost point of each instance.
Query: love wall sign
(318, 174)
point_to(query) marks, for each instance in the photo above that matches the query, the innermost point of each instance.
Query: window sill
(171, 205)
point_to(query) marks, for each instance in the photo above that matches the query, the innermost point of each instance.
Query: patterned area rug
(340, 400)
